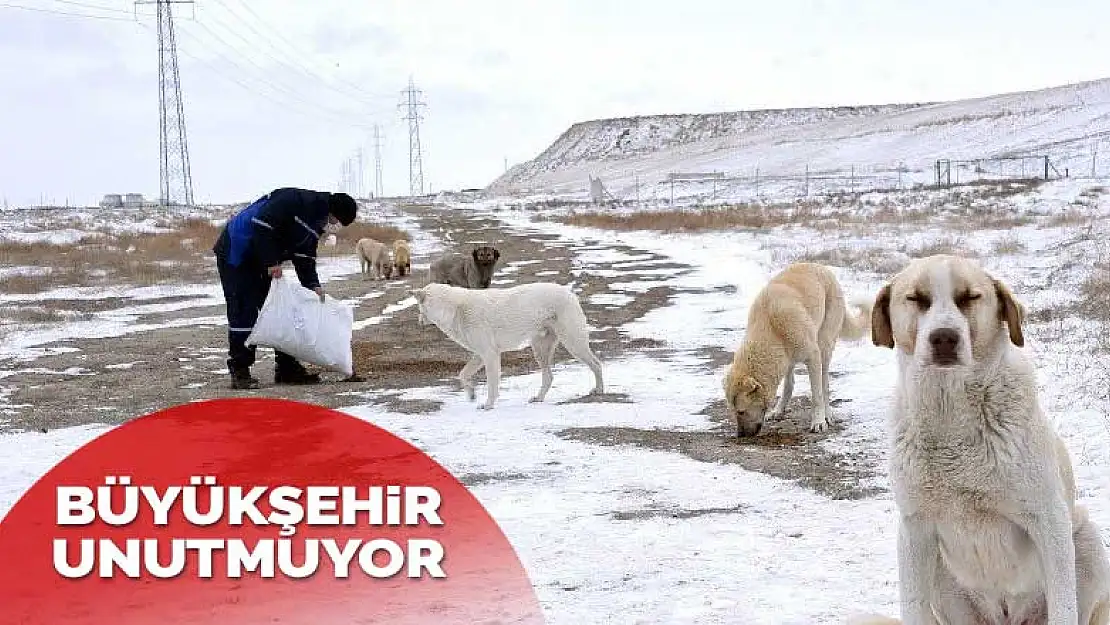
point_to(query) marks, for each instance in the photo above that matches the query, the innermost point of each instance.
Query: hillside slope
(633, 155)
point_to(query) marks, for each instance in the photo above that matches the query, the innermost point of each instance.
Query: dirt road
(112, 380)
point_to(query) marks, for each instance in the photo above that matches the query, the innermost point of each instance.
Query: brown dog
(374, 255)
(402, 256)
(474, 271)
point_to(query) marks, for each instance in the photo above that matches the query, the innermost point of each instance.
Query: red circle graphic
(245, 444)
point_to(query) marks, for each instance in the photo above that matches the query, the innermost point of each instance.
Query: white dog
(489, 322)
(989, 530)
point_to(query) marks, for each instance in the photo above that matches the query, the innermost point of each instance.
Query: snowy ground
(795, 152)
(629, 534)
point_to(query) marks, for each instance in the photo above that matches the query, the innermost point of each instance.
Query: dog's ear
(1011, 311)
(749, 385)
(882, 333)
(726, 385)
(496, 254)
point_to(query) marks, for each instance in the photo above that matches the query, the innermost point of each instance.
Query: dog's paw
(485, 407)
(535, 400)
(819, 426)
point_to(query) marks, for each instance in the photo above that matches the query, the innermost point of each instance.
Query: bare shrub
(856, 257)
(1070, 217)
(949, 245)
(1008, 245)
(1094, 294)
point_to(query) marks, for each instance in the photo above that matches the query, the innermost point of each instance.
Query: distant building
(112, 200)
(133, 200)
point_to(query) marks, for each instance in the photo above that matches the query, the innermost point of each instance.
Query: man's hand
(320, 291)
(275, 271)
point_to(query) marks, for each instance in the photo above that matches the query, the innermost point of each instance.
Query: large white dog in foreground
(489, 322)
(990, 532)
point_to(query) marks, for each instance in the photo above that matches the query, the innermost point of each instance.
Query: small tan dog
(374, 255)
(989, 530)
(402, 256)
(796, 318)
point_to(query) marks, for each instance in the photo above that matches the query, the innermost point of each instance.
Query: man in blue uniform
(285, 224)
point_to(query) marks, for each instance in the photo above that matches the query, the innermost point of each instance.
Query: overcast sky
(280, 93)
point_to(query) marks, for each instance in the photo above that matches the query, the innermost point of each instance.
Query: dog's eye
(920, 299)
(964, 299)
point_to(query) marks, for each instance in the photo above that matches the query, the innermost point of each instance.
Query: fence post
(1046, 168)
(807, 181)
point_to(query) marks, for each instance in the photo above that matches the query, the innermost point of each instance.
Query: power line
(264, 89)
(261, 93)
(412, 106)
(250, 46)
(66, 13)
(377, 162)
(358, 187)
(310, 108)
(287, 90)
(93, 6)
(301, 54)
(291, 61)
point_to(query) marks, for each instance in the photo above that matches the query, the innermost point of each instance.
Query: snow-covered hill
(862, 144)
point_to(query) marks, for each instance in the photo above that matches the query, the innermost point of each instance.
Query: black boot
(241, 379)
(294, 374)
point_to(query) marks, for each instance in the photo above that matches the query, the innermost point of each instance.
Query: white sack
(295, 321)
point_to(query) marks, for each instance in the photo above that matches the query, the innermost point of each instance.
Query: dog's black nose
(944, 342)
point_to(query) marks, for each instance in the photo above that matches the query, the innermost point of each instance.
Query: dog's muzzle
(748, 431)
(746, 426)
(944, 346)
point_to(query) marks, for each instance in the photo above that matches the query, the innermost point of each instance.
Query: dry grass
(38, 314)
(859, 257)
(346, 238)
(700, 220)
(183, 254)
(962, 217)
(1070, 218)
(953, 246)
(1008, 245)
(875, 258)
(1094, 294)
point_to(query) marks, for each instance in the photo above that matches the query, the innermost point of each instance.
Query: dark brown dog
(472, 272)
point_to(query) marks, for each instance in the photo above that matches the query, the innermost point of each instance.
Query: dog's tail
(855, 327)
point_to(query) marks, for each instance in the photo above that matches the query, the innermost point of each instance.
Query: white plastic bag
(294, 320)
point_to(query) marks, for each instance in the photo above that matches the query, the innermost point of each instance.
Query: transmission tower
(377, 162)
(412, 106)
(174, 170)
(361, 177)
